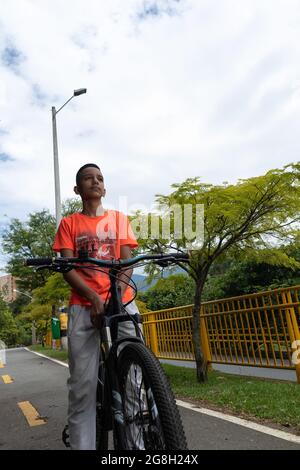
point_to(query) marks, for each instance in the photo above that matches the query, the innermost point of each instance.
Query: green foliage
(244, 213)
(8, 328)
(29, 239)
(55, 291)
(254, 274)
(248, 277)
(141, 306)
(17, 305)
(215, 288)
(248, 217)
(173, 291)
(71, 206)
(24, 329)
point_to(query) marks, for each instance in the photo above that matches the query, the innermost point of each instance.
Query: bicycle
(134, 398)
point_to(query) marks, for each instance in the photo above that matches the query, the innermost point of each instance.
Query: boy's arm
(124, 275)
(78, 284)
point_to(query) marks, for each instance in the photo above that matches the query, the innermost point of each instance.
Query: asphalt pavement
(42, 382)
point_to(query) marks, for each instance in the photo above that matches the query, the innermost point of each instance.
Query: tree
(245, 276)
(17, 305)
(249, 277)
(8, 328)
(33, 238)
(141, 306)
(173, 291)
(71, 205)
(24, 326)
(29, 239)
(248, 217)
(55, 293)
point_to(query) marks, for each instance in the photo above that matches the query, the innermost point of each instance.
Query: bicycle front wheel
(151, 417)
(101, 412)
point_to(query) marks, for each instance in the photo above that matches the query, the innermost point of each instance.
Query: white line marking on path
(216, 414)
(47, 357)
(242, 422)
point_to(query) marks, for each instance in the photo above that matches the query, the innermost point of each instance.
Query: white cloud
(176, 89)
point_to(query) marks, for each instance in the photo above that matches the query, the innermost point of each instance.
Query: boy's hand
(97, 310)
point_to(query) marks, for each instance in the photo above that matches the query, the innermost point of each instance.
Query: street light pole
(77, 92)
(56, 169)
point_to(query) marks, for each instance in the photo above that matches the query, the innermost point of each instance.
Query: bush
(173, 291)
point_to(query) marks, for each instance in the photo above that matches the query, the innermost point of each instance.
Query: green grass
(264, 400)
(248, 397)
(59, 354)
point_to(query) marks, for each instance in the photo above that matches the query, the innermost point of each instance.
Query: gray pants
(83, 346)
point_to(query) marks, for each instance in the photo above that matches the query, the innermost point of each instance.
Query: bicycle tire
(152, 425)
(101, 432)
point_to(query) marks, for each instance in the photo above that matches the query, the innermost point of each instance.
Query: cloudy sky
(175, 89)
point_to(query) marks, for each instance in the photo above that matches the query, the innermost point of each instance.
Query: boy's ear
(76, 190)
(104, 192)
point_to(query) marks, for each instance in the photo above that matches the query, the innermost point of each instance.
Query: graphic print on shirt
(96, 247)
(100, 245)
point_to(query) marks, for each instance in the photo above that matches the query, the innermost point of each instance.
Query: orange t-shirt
(102, 237)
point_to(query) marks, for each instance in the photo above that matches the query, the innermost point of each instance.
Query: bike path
(43, 383)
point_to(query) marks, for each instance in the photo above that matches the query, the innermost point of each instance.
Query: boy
(106, 235)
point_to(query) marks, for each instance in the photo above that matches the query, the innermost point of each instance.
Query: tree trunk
(201, 362)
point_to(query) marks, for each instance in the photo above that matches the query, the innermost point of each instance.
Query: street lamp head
(79, 91)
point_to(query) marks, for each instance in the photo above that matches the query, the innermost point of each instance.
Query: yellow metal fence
(261, 330)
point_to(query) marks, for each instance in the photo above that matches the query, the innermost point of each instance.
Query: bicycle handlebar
(39, 261)
(121, 263)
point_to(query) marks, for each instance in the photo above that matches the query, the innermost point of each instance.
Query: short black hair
(82, 168)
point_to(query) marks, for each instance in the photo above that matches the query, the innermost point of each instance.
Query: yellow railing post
(204, 338)
(49, 338)
(153, 334)
(293, 332)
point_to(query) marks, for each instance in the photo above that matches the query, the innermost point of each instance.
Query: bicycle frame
(112, 404)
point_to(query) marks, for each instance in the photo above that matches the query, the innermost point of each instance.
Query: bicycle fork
(116, 403)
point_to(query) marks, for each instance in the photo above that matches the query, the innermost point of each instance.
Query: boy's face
(91, 184)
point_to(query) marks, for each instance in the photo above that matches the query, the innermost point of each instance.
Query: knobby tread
(101, 434)
(174, 435)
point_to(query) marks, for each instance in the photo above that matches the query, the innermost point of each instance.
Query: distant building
(7, 286)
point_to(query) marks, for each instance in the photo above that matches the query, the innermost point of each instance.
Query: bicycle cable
(123, 306)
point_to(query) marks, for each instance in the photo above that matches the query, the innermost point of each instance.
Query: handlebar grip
(38, 261)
